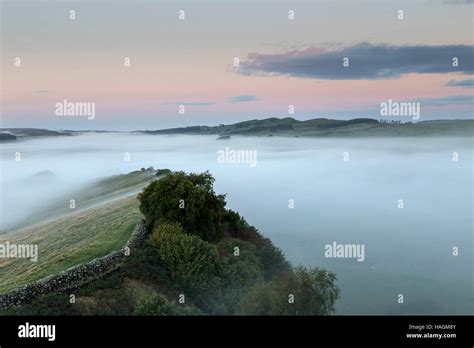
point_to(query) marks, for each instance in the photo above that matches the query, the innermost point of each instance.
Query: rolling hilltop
(29, 132)
(319, 127)
(9, 134)
(323, 127)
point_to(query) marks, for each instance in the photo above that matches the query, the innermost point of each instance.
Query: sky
(190, 61)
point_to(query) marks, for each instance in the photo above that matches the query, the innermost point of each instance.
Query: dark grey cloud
(366, 61)
(469, 83)
(243, 98)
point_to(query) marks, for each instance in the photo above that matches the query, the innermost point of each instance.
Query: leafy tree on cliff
(188, 199)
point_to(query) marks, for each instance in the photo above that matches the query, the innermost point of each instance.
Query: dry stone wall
(76, 276)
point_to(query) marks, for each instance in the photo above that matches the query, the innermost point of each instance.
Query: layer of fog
(407, 251)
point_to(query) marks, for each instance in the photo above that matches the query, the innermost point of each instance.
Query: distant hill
(323, 127)
(319, 127)
(7, 137)
(31, 132)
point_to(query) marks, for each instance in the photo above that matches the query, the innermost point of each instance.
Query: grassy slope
(77, 237)
(93, 195)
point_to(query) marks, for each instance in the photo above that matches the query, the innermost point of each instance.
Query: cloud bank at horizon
(365, 61)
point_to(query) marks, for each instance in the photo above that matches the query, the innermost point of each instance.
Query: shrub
(314, 292)
(188, 199)
(263, 299)
(234, 222)
(160, 172)
(161, 230)
(192, 263)
(273, 261)
(250, 234)
(159, 305)
(244, 269)
(272, 258)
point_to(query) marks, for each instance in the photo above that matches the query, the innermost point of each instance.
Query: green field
(111, 214)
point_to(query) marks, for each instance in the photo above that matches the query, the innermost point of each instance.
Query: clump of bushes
(161, 172)
(192, 264)
(223, 263)
(244, 266)
(303, 292)
(159, 305)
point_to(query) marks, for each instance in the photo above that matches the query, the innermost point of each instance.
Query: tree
(304, 292)
(272, 258)
(188, 199)
(159, 305)
(160, 231)
(273, 261)
(192, 263)
(244, 266)
(234, 222)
